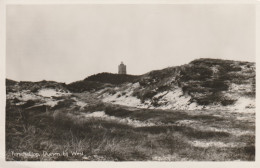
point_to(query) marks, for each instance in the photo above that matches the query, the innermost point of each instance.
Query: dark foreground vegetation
(53, 131)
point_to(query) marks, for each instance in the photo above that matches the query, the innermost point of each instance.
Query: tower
(122, 68)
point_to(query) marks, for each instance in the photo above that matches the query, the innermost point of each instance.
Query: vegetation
(208, 77)
(121, 133)
(100, 81)
(14, 86)
(82, 86)
(63, 130)
(115, 79)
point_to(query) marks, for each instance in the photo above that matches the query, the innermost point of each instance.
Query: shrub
(196, 73)
(29, 103)
(148, 94)
(212, 98)
(81, 86)
(112, 78)
(117, 111)
(64, 104)
(163, 88)
(227, 102)
(111, 91)
(217, 85)
(95, 107)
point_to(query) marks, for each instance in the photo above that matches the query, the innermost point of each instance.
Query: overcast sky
(66, 43)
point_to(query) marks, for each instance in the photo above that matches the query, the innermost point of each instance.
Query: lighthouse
(122, 68)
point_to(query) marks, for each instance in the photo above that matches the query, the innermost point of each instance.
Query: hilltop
(203, 83)
(15, 86)
(100, 81)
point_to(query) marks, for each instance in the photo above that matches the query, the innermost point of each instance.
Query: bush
(217, 85)
(212, 98)
(117, 111)
(148, 94)
(95, 107)
(64, 104)
(111, 91)
(29, 103)
(115, 79)
(227, 102)
(81, 86)
(163, 88)
(196, 72)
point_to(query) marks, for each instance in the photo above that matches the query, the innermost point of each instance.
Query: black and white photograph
(130, 82)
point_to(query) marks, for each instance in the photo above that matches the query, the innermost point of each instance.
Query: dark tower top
(122, 68)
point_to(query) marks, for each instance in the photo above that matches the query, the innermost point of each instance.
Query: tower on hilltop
(122, 68)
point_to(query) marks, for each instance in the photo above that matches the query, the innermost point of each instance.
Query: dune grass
(59, 130)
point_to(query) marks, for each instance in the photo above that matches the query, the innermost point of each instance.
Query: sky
(66, 43)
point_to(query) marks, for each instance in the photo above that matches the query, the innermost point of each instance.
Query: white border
(131, 1)
(106, 164)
